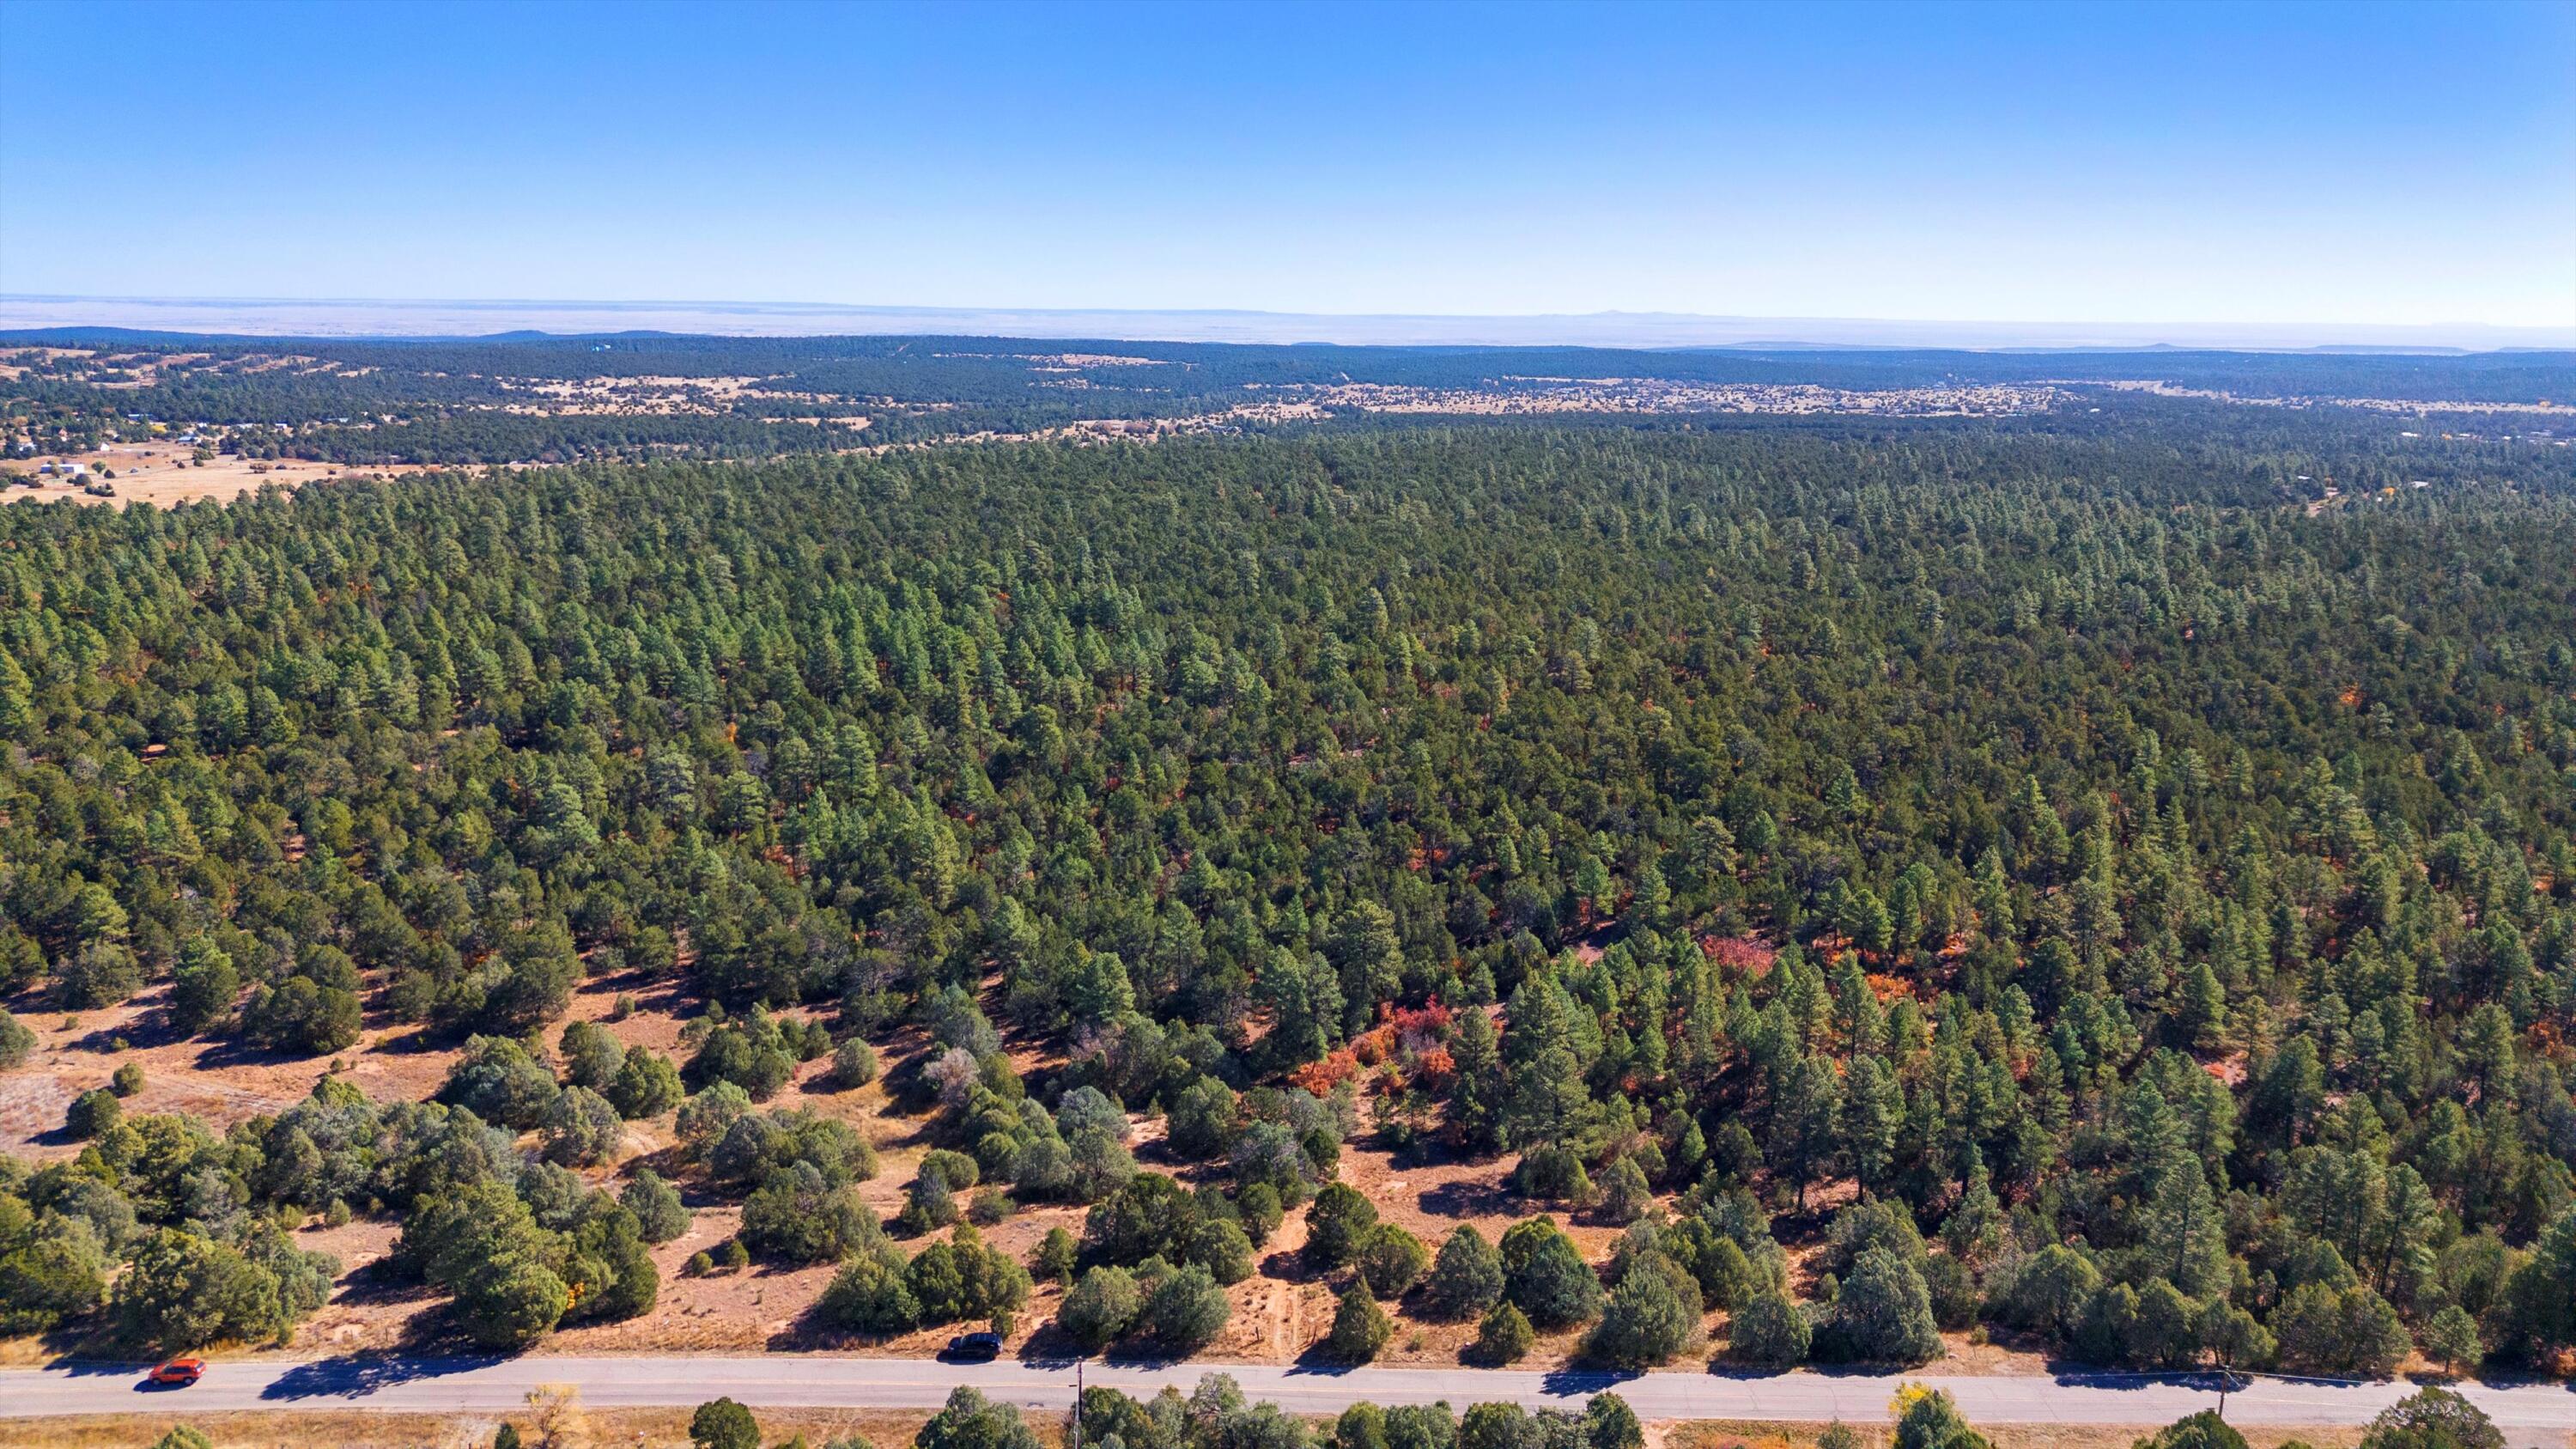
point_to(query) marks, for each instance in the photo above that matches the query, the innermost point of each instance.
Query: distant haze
(350, 317)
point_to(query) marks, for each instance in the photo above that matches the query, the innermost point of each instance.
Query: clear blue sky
(2209, 163)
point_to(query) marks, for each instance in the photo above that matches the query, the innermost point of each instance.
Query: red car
(180, 1372)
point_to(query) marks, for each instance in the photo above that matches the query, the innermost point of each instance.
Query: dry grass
(1739, 1434)
(162, 473)
(365, 1429)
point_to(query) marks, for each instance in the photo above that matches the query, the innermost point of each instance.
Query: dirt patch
(164, 474)
(368, 1429)
(1740, 1434)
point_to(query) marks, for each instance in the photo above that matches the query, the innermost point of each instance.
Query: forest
(1908, 881)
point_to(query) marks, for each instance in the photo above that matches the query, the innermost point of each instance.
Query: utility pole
(1077, 1404)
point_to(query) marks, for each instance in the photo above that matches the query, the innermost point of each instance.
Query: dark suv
(975, 1347)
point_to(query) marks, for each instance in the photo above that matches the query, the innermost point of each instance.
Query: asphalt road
(2541, 1413)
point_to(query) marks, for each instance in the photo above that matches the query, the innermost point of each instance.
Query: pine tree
(1803, 1123)
(1871, 1112)
(1476, 1101)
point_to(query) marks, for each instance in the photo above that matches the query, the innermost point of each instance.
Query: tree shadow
(1147, 1355)
(1585, 1379)
(355, 1375)
(1723, 1367)
(1469, 1200)
(1291, 1267)
(1050, 1347)
(2093, 1376)
(378, 1283)
(415, 1042)
(233, 1051)
(1321, 1362)
(1422, 1152)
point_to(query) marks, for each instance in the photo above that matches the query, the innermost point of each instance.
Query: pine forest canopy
(2161, 897)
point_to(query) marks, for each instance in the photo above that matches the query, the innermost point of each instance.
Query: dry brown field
(162, 473)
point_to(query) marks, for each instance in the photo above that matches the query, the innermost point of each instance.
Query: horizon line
(407, 317)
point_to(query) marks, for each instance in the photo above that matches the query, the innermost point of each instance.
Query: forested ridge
(2096, 899)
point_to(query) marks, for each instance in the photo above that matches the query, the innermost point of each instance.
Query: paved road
(467, 1385)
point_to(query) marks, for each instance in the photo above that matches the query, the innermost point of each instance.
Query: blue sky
(2204, 163)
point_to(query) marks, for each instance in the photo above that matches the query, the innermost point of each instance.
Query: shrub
(1608, 1423)
(1929, 1420)
(1256, 1206)
(1546, 1276)
(1186, 1310)
(184, 1436)
(647, 1085)
(1360, 1327)
(660, 1216)
(854, 1064)
(2352, 1332)
(1769, 1330)
(2451, 1340)
(961, 1278)
(969, 1421)
(799, 1215)
(128, 1079)
(1553, 1173)
(723, 1424)
(184, 1291)
(869, 1294)
(2047, 1294)
(751, 1051)
(59, 1271)
(1505, 1335)
(1625, 1193)
(499, 1082)
(1953, 1291)
(582, 1128)
(303, 1016)
(1883, 1313)
(1467, 1279)
(2432, 1419)
(1645, 1323)
(592, 1057)
(1201, 1120)
(1391, 1260)
(16, 1042)
(1151, 1216)
(1337, 1223)
(699, 1265)
(2204, 1430)
(1056, 1255)
(1101, 1307)
(1220, 1246)
(101, 973)
(92, 1114)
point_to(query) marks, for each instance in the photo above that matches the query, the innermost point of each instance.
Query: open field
(163, 474)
